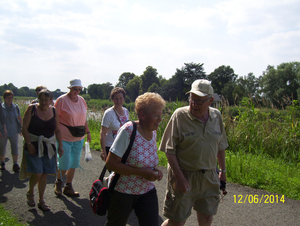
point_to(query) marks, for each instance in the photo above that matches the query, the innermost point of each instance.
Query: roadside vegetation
(7, 219)
(263, 150)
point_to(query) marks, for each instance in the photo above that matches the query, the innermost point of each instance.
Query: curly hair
(147, 101)
(117, 90)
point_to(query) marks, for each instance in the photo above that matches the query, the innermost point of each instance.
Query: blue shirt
(12, 122)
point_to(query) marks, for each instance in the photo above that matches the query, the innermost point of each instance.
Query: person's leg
(119, 209)
(63, 166)
(204, 220)
(14, 141)
(207, 205)
(3, 142)
(42, 186)
(146, 209)
(35, 177)
(169, 222)
(70, 176)
(76, 150)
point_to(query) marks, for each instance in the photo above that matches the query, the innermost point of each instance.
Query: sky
(49, 42)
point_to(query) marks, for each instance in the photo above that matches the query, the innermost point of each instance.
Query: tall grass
(257, 132)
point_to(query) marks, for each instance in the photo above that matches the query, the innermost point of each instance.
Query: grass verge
(7, 219)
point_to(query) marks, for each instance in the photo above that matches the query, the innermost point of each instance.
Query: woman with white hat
(72, 111)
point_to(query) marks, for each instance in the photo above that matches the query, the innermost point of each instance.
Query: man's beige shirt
(195, 144)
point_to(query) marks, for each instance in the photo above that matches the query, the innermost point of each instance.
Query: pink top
(142, 155)
(71, 114)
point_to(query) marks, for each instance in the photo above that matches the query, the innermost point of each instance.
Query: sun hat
(75, 82)
(201, 87)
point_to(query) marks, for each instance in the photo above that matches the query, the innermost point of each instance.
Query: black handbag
(100, 194)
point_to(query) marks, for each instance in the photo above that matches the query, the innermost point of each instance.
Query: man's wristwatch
(223, 171)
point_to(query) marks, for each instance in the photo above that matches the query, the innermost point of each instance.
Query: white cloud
(260, 16)
(279, 46)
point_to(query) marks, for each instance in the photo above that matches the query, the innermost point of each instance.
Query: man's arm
(181, 183)
(221, 161)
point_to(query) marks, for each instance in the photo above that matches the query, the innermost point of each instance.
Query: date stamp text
(258, 199)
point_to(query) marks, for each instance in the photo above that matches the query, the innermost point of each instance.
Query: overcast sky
(50, 42)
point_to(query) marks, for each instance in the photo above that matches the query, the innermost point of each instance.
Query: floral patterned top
(142, 155)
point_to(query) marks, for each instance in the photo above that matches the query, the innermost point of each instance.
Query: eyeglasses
(44, 100)
(77, 89)
(199, 102)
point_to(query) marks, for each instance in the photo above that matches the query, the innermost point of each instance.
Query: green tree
(11, 87)
(95, 91)
(281, 85)
(148, 77)
(247, 86)
(180, 83)
(133, 88)
(56, 93)
(26, 92)
(220, 76)
(100, 91)
(106, 90)
(223, 81)
(124, 79)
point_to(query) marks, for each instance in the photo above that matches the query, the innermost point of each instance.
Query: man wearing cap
(193, 141)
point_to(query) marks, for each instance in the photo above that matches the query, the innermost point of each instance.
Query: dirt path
(76, 211)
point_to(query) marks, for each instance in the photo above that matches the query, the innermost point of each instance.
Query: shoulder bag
(100, 194)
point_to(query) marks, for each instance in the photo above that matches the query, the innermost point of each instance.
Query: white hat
(75, 82)
(201, 87)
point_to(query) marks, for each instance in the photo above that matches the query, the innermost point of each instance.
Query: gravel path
(76, 211)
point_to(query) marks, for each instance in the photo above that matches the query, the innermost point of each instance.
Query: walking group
(194, 142)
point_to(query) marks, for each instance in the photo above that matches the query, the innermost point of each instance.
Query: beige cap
(201, 87)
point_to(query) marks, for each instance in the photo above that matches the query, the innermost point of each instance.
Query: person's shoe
(2, 167)
(42, 206)
(69, 191)
(16, 167)
(58, 188)
(30, 200)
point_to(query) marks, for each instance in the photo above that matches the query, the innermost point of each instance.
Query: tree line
(276, 87)
(25, 91)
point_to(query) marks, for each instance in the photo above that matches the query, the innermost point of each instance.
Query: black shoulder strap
(124, 158)
(33, 110)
